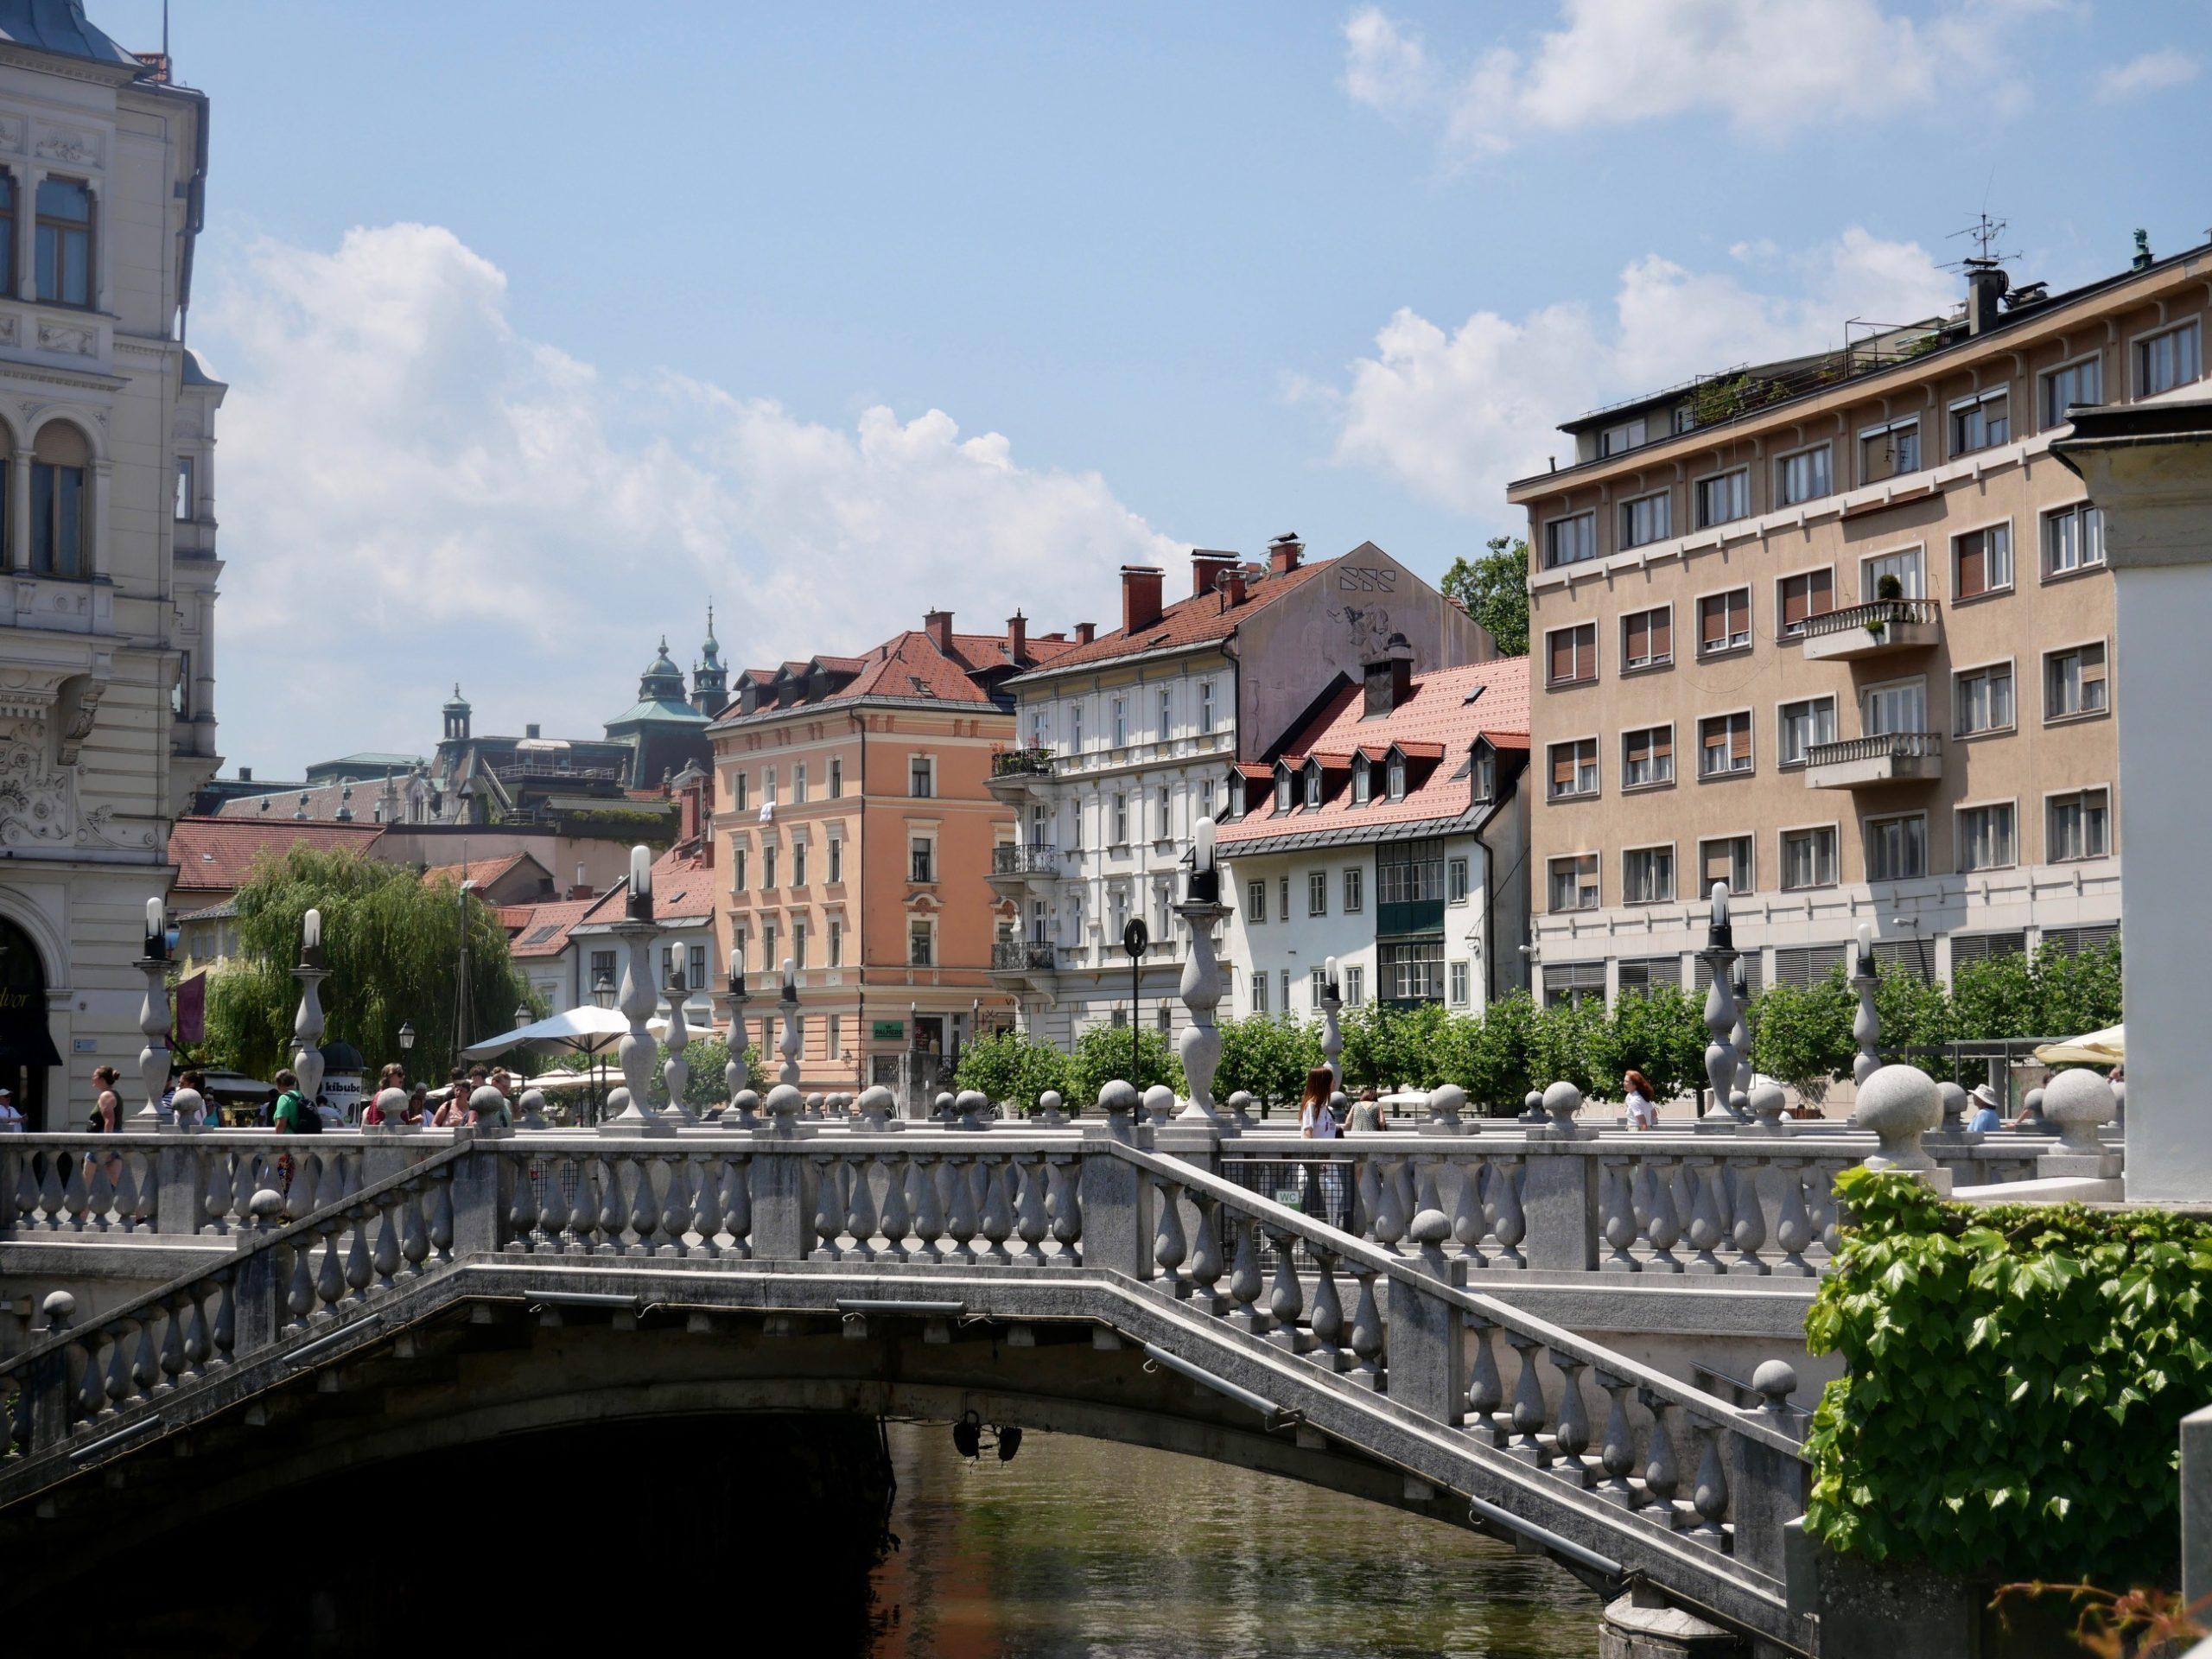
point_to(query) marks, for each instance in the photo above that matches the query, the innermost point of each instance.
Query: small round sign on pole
(1134, 940)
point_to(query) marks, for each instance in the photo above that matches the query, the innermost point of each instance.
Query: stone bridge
(335, 1302)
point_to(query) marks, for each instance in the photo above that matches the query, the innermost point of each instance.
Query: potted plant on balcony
(1888, 589)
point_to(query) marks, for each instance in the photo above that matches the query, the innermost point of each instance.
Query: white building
(1132, 736)
(1390, 832)
(108, 536)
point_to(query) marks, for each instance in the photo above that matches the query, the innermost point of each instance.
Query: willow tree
(393, 944)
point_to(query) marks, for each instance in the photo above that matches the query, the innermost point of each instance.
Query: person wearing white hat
(11, 1118)
(1986, 1119)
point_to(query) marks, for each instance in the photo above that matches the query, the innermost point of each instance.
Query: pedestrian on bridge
(1641, 1111)
(1324, 1186)
(11, 1117)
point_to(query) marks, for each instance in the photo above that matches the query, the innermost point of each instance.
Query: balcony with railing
(1877, 628)
(1870, 762)
(1024, 956)
(1013, 770)
(1011, 864)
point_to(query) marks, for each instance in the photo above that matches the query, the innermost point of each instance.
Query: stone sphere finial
(266, 1205)
(784, 1103)
(1900, 1104)
(1117, 1098)
(1050, 1105)
(1561, 1103)
(1532, 1106)
(1240, 1109)
(60, 1307)
(971, 1104)
(2081, 1102)
(1955, 1103)
(1767, 1102)
(486, 1101)
(188, 1106)
(1159, 1102)
(1778, 1380)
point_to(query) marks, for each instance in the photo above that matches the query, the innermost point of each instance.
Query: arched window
(65, 242)
(61, 502)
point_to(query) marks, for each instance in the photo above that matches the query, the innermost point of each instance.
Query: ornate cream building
(108, 537)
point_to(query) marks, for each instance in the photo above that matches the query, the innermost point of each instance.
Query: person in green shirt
(292, 1106)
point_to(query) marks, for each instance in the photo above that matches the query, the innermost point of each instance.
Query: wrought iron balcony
(1875, 629)
(1023, 956)
(1021, 763)
(1867, 762)
(1011, 861)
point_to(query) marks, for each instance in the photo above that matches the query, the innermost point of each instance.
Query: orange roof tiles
(911, 664)
(542, 931)
(1435, 724)
(684, 890)
(217, 855)
(484, 872)
(1191, 621)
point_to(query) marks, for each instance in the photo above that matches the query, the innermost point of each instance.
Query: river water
(1081, 1547)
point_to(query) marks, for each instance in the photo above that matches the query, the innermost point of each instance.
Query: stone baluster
(996, 1174)
(330, 1279)
(1368, 1357)
(1468, 1226)
(414, 1233)
(1866, 1026)
(358, 1268)
(1616, 1456)
(1509, 1223)
(1392, 1214)
(860, 1207)
(1286, 1295)
(1201, 913)
(895, 1220)
(1169, 1248)
(961, 1214)
(1064, 1203)
(384, 1256)
(1617, 1211)
(523, 1206)
(1206, 1263)
(1326, 1323)
(929, 1216)
(1027, 1171)
(1720, 1012)
(1485, 1388)
(645, 1207)
(299, 1291)
(1793, 1228)
(1663, 1229)
(828, 1205)
(1705, 1215)
(116, 1384)
(630, 1108)
(737, 1207)
(1749, 1226)
(676, 1070)
(1430, 1227)
(1529, 1413)
(195, 1347)
(441, 1213)
(1709, 1495)
(675, 1219)
(554, 1198)
(1570, 1438)
(703, 1181)
(1660, 1471)
(1368, 1185)
(1244, 1281)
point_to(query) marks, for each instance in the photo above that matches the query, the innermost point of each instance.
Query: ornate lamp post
(154, 1018)
(676, 1070)
(1202, 911)
(1332, 1031)
(633, 1115)
(306, 1029)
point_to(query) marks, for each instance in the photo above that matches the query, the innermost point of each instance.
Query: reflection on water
(1081, 1547)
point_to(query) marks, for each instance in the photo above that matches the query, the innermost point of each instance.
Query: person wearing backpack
(293, 1115)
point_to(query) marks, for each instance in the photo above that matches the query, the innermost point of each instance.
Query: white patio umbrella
(587, 1030)
(2106, 1047)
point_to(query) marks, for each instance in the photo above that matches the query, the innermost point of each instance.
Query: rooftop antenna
(1987, 256)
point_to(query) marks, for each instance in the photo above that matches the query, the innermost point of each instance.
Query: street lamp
(406, 1036)
(602, 994)
(522, 1015)
(602, 990)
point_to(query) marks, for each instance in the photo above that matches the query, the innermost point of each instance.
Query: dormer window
(1362, 781)
(1282, 789)
(1485, 771)
(1396, 786)
(1312, 783)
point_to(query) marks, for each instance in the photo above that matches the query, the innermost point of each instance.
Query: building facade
(107, 533)
(1130, 737)
(856, 831)
(1390, 833)
(1838, 632)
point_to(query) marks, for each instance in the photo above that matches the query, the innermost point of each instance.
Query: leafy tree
(1495, 590)
(1269, 1056)
(707, 1056)
(1015, 1069)
(2076, 994)
(1562, 1039)
(1492, 1058)
(1802, 1033)
(393, 944)
(1102, 1054)
(1660, 1033)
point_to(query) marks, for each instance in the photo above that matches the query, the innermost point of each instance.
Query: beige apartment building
(1838, 631)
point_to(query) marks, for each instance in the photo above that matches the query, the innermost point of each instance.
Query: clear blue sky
(1151, 246)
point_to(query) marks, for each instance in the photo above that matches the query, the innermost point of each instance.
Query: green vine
(2015, 1378)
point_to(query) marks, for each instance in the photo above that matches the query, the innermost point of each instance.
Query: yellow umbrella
(2106, 1047)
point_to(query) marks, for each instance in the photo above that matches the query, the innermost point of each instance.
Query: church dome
(662, 680)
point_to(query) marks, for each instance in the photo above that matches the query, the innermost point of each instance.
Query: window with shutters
(1981, 699)
(1640, 975)
(2074, 683)
(798, 783)
(1809, 858)
(836, 859)
(1725, 858)
(1648, 758)
(1572, 984)
(1986, 837)
(2172, 358)
(1570, 541)
(798, 861)
(1801, 477)
(2078, 941)
(837, 777)
(1648, 639)
(1648, 875)
(1282, 896)
(1985, 947)
(1897, 848)
(1981, 422)
(2077, 825)
(1808, 965)
(1912, 958)
(1723, 745)
(1571, 655)
(1723, 499)
(1886, 451)
(2073, 540)
(2068, 384)
(1808, 593)
(1573, 882)
(1574, 769)
(1645, 519)
(1799, 726)
(1750, 975)
(1981, 561)
(1723, 622)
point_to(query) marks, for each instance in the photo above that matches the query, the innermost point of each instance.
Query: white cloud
(1767, 69)
(2151, 73)
(1455, 414)
(413, 493)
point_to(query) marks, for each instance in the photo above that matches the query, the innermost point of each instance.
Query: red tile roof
(684, 890)
(484, 872)
(217, 855)
(1192, 621)
(323, 802)
(542, 931)
(1436, 723)
(909, 664)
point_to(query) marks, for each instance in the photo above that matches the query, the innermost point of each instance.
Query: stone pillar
(630, 1106)
(2149, 467)
(1117, 1196)
(26, 235)
(19, 511)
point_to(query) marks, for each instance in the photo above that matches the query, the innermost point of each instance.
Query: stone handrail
(1872, 613)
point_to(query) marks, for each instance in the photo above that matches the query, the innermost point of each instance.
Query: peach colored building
(856, 834)
(1838, 632)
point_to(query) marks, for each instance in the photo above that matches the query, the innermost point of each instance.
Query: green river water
(1080, 1547)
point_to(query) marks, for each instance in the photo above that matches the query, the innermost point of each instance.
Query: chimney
(1017, 637)
(582, 889)
(245, 774)
(1986, 286)
(531, 730)
(1140, 585)
(1232, 587)
(939, 626)
(1086, 632)
(1390, 677)
(1207, 568)
(1284, 553)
